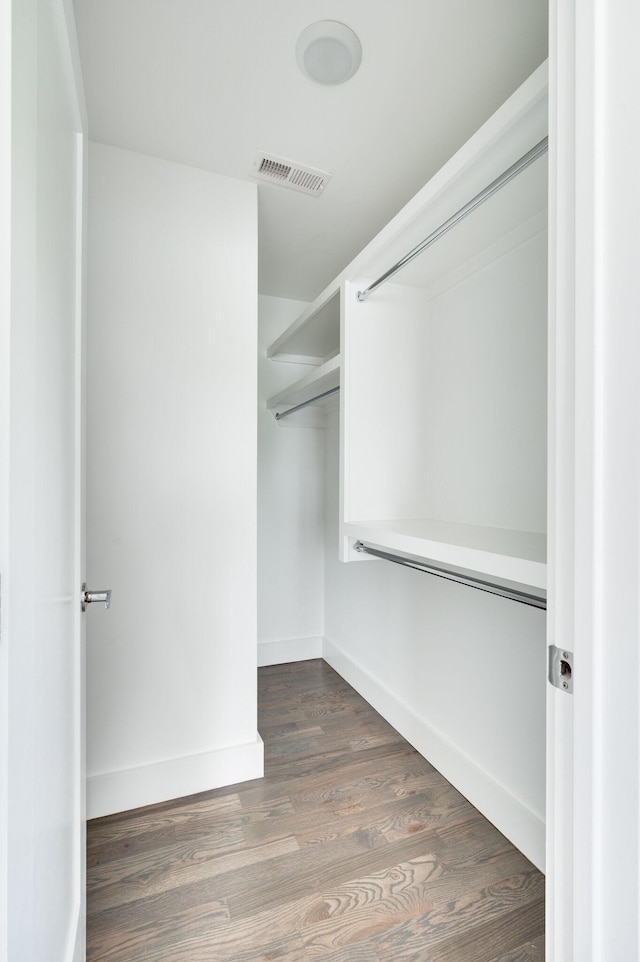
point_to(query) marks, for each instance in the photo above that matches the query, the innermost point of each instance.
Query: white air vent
(286, 173)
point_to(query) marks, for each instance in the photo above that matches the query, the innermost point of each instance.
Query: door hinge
(561, 668)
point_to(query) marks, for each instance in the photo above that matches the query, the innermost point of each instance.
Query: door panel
(41, 605)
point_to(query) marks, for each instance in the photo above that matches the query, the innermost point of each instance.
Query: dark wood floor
(352, 848)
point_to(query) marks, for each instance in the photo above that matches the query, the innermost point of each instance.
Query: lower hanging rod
(468, 208)
(535, 601)
(314, 400)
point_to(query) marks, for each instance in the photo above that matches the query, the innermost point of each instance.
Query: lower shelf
(515, 557)
(320, 380)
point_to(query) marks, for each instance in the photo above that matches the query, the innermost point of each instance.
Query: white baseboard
(524, 828)
(175, 778)
(76, 943)
(294, 649)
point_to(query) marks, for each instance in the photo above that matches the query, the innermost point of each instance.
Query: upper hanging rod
(468, 208)
(535, 601)
(313, 400)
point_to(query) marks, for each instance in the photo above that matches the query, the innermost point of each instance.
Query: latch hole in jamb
(561, 668)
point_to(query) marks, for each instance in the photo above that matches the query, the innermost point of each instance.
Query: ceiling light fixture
(328, 52)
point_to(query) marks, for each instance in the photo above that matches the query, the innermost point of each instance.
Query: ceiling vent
(286, 173)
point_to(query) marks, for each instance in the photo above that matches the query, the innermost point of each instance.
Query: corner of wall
(176, 778)
(293, 649)
(510, 815)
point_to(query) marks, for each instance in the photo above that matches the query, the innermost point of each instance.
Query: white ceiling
(208, 82)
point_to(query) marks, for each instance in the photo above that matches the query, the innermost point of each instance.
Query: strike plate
(561, 668)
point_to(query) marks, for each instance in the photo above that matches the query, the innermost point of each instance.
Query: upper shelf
(315, 335)
(517, 212)
(516, 127)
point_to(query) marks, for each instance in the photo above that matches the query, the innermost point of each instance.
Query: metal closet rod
(535, 601)
(525, 161)
(313, 400)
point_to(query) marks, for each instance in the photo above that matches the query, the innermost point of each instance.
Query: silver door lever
(88, 596)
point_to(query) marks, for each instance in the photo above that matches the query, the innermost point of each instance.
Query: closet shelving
(442, 368)
(313, 339)
(317, 384)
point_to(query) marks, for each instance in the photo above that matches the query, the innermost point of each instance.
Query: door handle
(89, 596)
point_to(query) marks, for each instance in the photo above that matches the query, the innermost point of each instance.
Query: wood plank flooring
(352, 848)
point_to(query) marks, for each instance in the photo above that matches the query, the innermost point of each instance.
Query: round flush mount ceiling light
(328, 52)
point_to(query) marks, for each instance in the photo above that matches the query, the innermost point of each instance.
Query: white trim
(511, 816)
(6, 53)
(293, 649)
(561, 477)
(175, 778)
(76, 941)
(80, 866)
(593, 774)
(66, 25)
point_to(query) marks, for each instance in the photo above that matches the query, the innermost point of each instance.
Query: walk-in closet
(434, 504)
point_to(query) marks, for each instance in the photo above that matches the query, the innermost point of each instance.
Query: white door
(42, 551)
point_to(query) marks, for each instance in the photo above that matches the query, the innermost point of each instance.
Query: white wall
(460, 673)
(171, 480)
(462, 417)
(290, 509)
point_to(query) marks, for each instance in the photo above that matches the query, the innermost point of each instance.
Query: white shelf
(507, 135)
(512, 216)
(321, 379)
(457, 340)
(315, 335)
(519, 125)
(406, 338)
(518, 557)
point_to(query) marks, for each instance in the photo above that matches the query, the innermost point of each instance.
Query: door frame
(593, 736)
(18, 71)
(79, 952)
(589, 57)
(5, 341)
